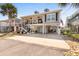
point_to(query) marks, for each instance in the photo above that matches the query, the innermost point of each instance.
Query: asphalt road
(18, 48)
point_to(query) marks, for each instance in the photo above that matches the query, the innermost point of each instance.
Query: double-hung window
(51, 17)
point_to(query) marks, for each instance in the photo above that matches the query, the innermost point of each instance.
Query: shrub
(75, 36)
(67, 32)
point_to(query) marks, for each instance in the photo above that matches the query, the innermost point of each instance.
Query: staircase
(23, 29)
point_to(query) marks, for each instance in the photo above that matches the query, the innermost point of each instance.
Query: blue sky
(29, 8)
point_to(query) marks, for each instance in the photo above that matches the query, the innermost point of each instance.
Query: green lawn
(75, 36)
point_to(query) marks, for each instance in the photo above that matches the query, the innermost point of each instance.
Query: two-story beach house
(73, 22)
(46, 22)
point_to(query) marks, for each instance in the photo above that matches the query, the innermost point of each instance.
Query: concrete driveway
(34, 44)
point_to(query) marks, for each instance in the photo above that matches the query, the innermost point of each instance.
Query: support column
(58, 30)
(59, 21)
(14, 25)
(43, 27)
(77, 28)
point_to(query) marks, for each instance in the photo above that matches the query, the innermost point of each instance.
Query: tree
(9, 10)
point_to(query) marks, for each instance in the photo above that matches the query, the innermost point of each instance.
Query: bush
(67, 32)
(75, 36)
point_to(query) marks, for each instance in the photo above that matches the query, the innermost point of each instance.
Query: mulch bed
(74, 46)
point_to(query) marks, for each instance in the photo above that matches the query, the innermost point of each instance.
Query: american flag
(61, 22)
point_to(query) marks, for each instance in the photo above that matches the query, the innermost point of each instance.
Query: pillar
(43, 26)
(14, 25)
(58, 31)
(43, 29)
(77, 28)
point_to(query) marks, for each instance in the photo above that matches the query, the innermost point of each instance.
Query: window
(51, 17)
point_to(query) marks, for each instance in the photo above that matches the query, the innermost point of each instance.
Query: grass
(73, 43)
(75, 36)
(70, 34)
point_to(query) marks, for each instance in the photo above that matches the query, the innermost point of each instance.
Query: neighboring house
(46, 22)
(8, 25)
(73, 22)
(4, 26)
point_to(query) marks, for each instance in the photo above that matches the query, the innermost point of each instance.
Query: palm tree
(76, 5)
(9, 10)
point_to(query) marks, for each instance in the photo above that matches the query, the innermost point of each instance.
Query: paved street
(35, 44)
